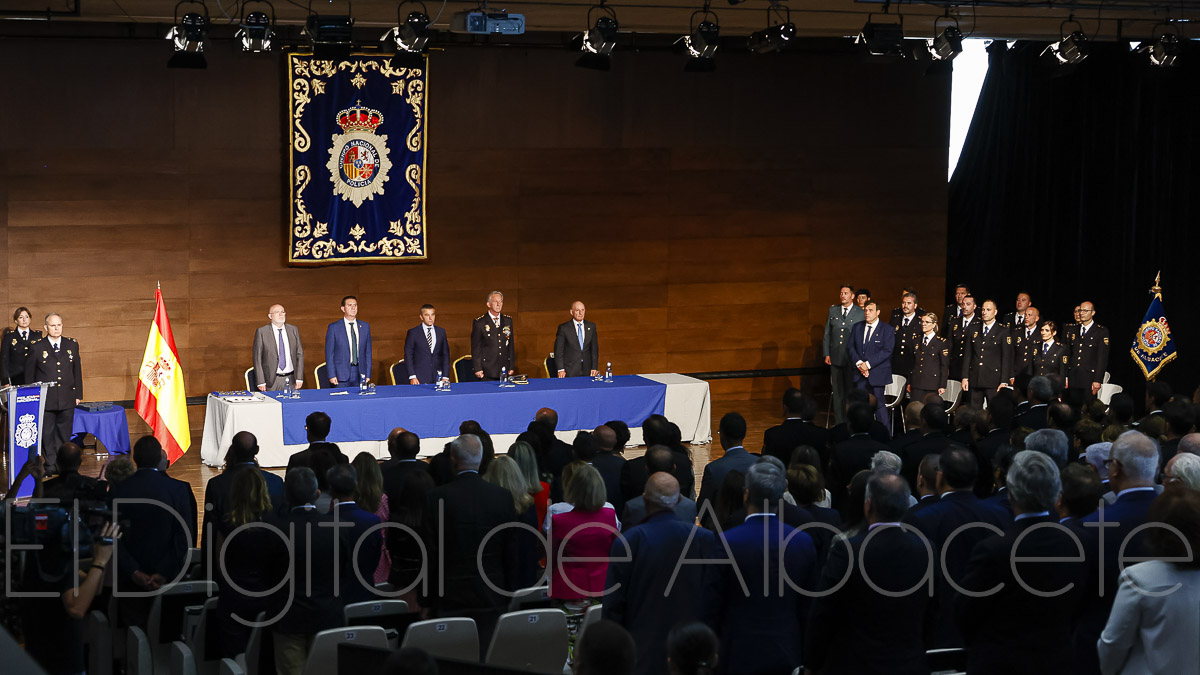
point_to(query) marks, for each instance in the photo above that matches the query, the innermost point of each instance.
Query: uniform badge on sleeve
(45, 355)
(1064, 360)
(1106, 341)
(1008, 340)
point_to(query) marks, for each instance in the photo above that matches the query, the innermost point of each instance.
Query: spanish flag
(1153, 346)
(160, 398)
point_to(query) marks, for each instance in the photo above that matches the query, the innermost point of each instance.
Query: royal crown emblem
(26, 434)
(156, 373)
(358, 159)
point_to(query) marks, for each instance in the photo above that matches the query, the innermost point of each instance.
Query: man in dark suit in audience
(797, 429)
(316, 428)
(358, 578)
(609, 462)
(426, 351)
(912, 422)
(852, 455)
(1028, 581)
(932, 442)
(658, 458)
(557, 451)
(927, 494)
(463, 512)
(759, 615)
(403, 446)
(1039, 393)
(647, 599)
(732, 431)
(957, 506)
(218, 490)
(154, 548)
(577, 346)
(855, 629)
(320, 554)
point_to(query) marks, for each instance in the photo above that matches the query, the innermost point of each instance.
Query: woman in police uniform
(14, 348)
(931, 365)
(1051, 355)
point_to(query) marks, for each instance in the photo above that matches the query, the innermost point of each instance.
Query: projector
(485, 23)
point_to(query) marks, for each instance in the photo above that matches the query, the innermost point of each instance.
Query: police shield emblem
(358, 159)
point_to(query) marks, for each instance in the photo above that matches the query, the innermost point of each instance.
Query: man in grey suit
(835, 348)
(658, 459)
(278, 354)
(576, 346)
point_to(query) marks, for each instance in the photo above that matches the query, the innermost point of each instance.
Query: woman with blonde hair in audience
(526, 460)
(504, 471)
(369, 495)
(587, 532)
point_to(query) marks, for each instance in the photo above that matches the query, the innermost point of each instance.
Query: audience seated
(796, 429)
(692, 650)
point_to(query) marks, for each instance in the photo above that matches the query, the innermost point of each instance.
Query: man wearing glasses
(1089, 357)
(278, 354)
(931, 361)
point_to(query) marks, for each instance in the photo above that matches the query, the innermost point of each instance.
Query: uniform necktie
(985, 330)
(353, 345)
(496, 321)
(1082, 332)
(25, 335)
(906, 320)
(1046, 348)
(56, 344)
(927, 339)
(282, 352)
(579, 331)
(845, 311)
(429, 338)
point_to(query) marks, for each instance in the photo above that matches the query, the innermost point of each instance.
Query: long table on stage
(362, 422)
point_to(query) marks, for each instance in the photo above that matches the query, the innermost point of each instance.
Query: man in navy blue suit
(355, 522)
(871, 345)
(732, 431)
(348, 347)
(426, 352)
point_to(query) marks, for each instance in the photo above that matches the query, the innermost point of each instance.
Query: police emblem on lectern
(358, 159)
(27, 433)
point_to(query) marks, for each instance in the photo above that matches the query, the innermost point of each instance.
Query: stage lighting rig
(331, 35)
(946, 44)
(597, 42)
(778, 34)
(1164, 49)
(701, 42)
(1072, 48)
(256, 28)
(882, 39)
(411, 37)
(188, 36)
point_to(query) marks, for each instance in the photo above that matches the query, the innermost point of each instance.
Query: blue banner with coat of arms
(26, 406)
(357, 170)
(1153, 347)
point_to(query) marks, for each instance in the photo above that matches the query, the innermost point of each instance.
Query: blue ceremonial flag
(26, 407)
(357, 170)
(1153, 347)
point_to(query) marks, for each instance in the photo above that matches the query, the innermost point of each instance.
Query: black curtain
(1080, 183)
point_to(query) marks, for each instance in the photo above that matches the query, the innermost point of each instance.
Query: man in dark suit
(154, 548)
(358, 578)
(987, 357)
(899, 312)
(14, 348)
(908, 331)
(927, 494)
(756, 612)
(852, 455)
(957, 507)
(912, 422)
(958, 331)
(854, 629)
(954, 311)
(609, 463)
(348, 347)
(316, 429)
(1020, 602)
(403, 446)
(463, 512)
(556, 453)
(1089, 358)
(576, 345)
(871, 345)
(55, 358)
(797, 429)
(658, 458)
(646, 599)
(426, 351)
(931, 361)
(842, 317)
(732, 431)
(1039, 393)
(320, 555)
(932, 442)
(493, 343)
(218, 490)
(278, 354)
(1026, 339)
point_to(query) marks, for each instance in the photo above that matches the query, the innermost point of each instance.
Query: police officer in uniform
(908, 329)
(898, 312)
(931, 361)
(55, 358)
(1025, 340)
(989, 355)
(1050, 356)
(1016, 317)
(954, 311)
(1071, 330)
(493, 344)
(1089, 357)
(960, 331)
(835, 348)
(14, 348)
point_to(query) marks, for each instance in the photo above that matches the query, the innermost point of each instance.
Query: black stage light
(1072, 48)
(256, 28)
(947, 44)
(700, 44)
(411, 37)
(188, 36)
(882, 39)
(597, 42)
(779, 33)
(1164, 50)
(331, 35)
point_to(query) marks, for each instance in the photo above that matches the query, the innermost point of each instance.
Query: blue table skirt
(110, 426)
(581, 404)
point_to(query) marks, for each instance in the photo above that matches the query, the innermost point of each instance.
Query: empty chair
(391, 615)
(251, 380)
(137, 652)
(462, 369)
(247, 663)
(953, 391)
(591, 616)
(449, 638)
(396, 373)
(194, 558)
(166, 622)
(198, 642)
(535, 597)
(893, 395)
(948, 660)
(321, 375)
(322, 656)
(181, 660)
(533, 640)
(97, 642)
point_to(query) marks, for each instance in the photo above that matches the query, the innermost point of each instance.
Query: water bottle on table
(608, 372)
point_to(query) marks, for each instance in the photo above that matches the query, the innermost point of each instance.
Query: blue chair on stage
(397, 373)
(321, 374)
(251, 380)
(462, 369)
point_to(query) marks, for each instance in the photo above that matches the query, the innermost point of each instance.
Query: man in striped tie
(426, 352)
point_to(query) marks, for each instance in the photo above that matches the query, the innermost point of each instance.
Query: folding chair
(533, 640)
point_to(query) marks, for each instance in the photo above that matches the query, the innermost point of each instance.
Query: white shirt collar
(1134, 489)
(349, 321)
(1039, 514)
(577, 323)
(874, 323)
(1088, 325)
(493, 317)
(764, 515)
(989, 325)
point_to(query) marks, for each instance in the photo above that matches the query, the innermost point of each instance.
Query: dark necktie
(353, 345)
(845, 311)
(985, 330)
(1082, 332)
(429, 338)
(282, 353)
(1046, 348)
(867, 336)
(927, 339)
(25, 336)
(906, 320)
(56, 344)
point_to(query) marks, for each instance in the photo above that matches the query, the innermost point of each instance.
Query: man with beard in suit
(278, 354)
(908, 331)
(959, 332)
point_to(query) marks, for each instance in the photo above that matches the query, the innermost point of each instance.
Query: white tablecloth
(687, 405)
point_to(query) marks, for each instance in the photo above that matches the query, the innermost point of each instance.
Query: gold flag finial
(1157, 288)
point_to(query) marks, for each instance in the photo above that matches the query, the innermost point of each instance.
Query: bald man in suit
(270, 369)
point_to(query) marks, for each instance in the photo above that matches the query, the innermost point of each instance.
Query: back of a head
(964, 416)
(621, 429)
(661, 492)
(1097, 455)
(147, 452)
(1138, 455)
(1158, 393)
(70, 457)
(405, 445)
(1040, 390)
(1094, 410)
(248, 497)
(888, 495)
(118, 470)
(797, 404)
(1033, 481)
(1180, 510)
(585, 491)
(1120, 407)
(732, 427)
(765, 485)
(1087, 432)
(804, 484)
(300, 486)
(504, 471)
(654, 430)
(1190, 444)
(605, 648)
(409, 661)
(1081, 489)
(857, 395)
(858, 496)
(466, 451)
(659, 458)
(692, 649)
(1185, 468)
(859, 417)
(1060, 416)
(244, 447)
(933, 417)
(928, 469)
(1001, 411)
(584, 447)
(1180, 414)
(958, 467)
(605, 438)
(342, 480)
(886, 462)
(1051, 442)
(912, 414)
(806, 454)
(547, 416)
(773, 461)
(321, 462)
(316, 426)
(522, 453)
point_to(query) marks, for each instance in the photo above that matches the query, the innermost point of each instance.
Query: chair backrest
(322, 656)
(533, 640)
(895, 390)
(182, 662)
(200, 642)
(166, 612)
(251, 380)
(525, 597)
(591, 616)
(1106, 392)
(950, 659)
(396, 372)
(953, 391)
(194, 557)
(462, 369)
(451, 638)
(321, 376)
(97, 637)
(551, 366)
(137, 652)
(392, 614)
(230, 667)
